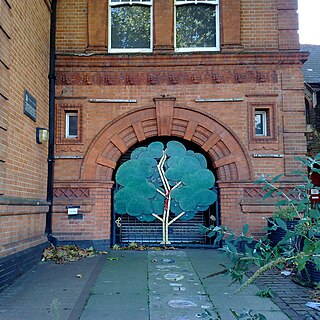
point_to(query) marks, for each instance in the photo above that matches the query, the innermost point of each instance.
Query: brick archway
(228, 156)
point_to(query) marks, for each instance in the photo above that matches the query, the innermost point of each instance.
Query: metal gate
(127, 229)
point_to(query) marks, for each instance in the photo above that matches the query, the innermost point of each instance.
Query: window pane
(195, 26)
(130, 27)
(259, 124)
(73, 125)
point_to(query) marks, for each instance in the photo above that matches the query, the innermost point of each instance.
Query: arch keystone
(164, 112)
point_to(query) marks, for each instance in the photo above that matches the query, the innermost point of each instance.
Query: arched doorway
(223, 149)
(127, 229)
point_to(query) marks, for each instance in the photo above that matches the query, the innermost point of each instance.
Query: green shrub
(285, 213)
(297, 247)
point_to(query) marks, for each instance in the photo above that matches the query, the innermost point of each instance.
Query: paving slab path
(51, 291)
(147, 285)
(170, 285)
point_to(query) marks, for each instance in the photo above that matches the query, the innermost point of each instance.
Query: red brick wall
(72, 26)
(93, 201)
(24, 60)
(263, 73)
(252, 25)
(21, 227)
(259, 25)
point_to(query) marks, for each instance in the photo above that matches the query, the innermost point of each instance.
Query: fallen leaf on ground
(64, 254)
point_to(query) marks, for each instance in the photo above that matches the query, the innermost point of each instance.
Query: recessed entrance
(127, 229)
(197, 130)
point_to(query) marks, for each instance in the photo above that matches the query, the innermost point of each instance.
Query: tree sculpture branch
(167, 195)
(166, 186)
(162, 173)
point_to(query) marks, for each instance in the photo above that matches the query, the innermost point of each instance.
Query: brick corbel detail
(190, 130)
(138, 130)
(224, 161)
(118, 142)
(164, 111)
(102, 160)
(230, 25)
(97, 25)
(212, 140)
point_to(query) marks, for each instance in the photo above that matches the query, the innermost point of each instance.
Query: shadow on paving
(51, 291)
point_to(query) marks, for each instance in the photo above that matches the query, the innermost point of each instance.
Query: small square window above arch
(262, 123)
(69, 127)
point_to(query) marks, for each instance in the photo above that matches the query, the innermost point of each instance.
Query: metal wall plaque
(72, 210)
(30, 105)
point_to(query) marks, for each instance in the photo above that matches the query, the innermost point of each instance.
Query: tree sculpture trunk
(167, 202)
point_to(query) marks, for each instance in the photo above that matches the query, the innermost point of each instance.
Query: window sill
(212, 49)
(130, 51)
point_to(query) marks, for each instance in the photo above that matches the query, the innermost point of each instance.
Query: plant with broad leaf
(165, 183)
(248, 315)
(298, 246)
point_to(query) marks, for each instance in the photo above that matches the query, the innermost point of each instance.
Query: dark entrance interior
(127, 229)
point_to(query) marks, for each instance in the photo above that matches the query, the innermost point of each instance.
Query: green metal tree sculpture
(164, 183)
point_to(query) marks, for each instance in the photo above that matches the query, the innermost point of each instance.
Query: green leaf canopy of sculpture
(141, 191)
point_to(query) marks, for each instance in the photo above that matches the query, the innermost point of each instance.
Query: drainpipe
(52, 79)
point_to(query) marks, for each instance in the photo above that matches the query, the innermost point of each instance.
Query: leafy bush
(299, 246)
(248, 315)
(286, 214)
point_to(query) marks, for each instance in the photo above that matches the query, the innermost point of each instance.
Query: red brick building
(222, 76)
(24, 91)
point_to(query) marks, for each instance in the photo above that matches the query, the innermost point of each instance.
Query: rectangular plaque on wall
(30, 105)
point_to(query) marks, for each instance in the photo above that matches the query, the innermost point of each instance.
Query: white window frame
(130, 2)
(185, 2)
(68, 115)
(264, 120)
